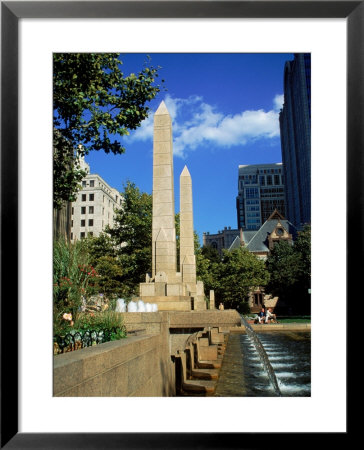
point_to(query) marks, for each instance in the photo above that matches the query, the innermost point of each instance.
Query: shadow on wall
(169, 388)
(178, 374)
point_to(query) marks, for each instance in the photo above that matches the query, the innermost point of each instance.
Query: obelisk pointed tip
(162, 109)
(185, 172)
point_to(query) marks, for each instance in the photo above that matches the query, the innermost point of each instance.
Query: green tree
(289, 267)
(211, 253)
(238, 273)
(123, 254)
(110, 277)
(104, 257)
(100, 246)
(207, 268)
(93, 103)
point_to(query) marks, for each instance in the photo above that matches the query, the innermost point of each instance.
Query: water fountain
(135, 306)
(263, 356)
(120, 305)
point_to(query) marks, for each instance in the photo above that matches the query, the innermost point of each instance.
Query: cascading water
(263, 356)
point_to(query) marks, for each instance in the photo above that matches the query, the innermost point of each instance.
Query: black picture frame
(11, 12)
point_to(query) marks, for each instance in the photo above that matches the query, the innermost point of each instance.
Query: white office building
(95, 206)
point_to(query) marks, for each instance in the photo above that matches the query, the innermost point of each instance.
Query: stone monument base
(175, 303)
(199, 304)
(172, 296)
(171, 302)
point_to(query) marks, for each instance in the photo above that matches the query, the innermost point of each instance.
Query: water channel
(243, 372)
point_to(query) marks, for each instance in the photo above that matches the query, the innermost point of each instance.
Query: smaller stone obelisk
(187, 248)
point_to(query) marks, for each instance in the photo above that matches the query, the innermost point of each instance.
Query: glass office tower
(260, 192)
(295, 126)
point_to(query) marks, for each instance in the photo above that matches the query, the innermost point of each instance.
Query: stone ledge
(207, 318)
(73, 369)
(274, 327)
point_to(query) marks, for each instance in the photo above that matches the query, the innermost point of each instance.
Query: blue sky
(224, 110)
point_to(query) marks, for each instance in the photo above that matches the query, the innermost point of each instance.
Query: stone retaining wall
(137, 366)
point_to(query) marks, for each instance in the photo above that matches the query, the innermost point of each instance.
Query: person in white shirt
(270, 316)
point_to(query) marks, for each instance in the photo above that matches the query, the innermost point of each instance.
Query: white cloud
(278, 102)
(196, 124)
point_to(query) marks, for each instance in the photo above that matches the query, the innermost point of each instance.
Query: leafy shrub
(99, 321)
(73, 278)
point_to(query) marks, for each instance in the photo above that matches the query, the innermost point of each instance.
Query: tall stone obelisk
(187, 248)
(169, 289)
(164, 252)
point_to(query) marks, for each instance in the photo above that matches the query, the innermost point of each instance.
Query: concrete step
(199, 386)
(209, 364)
(205, 374)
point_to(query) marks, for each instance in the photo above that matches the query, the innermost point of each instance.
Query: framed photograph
(30, 32)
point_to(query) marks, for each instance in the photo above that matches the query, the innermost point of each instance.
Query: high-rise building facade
(95, 206)
(260, 192)
(295, 126)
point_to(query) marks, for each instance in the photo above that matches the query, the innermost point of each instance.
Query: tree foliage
(207, 268)
(290, 272)
(232, 276)
(123, 253)
(240, 272)
(94, 106)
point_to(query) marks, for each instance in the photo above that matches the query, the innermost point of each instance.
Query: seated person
(261, 315)
(270, 316)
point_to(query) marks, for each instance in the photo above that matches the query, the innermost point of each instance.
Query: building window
(276, 179)
(91, 197)
(83, 198)
(82, 234)
(73, 210)
(262, 180)
(83, 209)
(92, 183)
(71, 236)
(84, 183)
(71, 223)
(269, 180)
(90, 209)
(90, 222)
(251, 192)
(83, 222)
